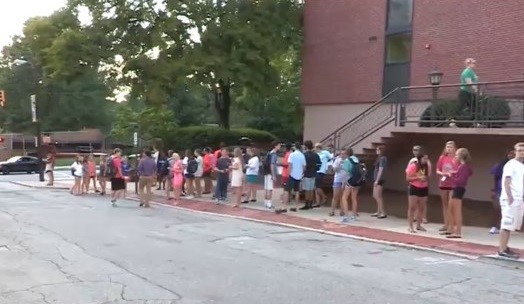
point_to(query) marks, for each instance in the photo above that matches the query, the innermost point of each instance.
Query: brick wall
(490, 31)
(340, 63)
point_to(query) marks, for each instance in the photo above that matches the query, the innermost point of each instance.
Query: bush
(490, 108)
(204, 136)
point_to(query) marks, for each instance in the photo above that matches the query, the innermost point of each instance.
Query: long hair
(463, 155)
(421, 166)
(449, 143)
(380, 154)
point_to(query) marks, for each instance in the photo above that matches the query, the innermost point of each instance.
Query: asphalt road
(55, 248)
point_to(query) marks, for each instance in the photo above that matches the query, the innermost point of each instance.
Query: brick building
(357, 51)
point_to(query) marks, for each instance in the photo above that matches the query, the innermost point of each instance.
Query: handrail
(363, 113)
(461, 84)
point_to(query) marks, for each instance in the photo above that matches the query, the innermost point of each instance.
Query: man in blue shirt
(297, 165)
(325, 158)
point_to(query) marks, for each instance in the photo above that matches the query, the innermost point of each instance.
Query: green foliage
(203, 136)
(489, 109)
(151, 123)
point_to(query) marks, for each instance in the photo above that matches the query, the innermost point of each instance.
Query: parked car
(27, 164)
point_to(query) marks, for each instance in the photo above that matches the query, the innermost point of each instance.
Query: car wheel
(5, 171)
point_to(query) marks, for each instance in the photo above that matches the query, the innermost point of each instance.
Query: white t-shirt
(200, 168)
(184, 163)
(297, 160)
(77, 169)
(515, 170)
(252, 166)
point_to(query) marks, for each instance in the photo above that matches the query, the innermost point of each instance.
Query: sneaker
(345, 220)
(217, 201)
(353, 218)
(376, 214)
(189, 197)
(279, 211)
(509, 254)
(113, 203)
(293, 209)
(382, 216)
(493, 230)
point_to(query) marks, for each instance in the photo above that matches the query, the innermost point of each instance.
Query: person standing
(446, 165)
(91, 168)
(178, 177)
(49, 168)
(460, 181)
(222, 169)
(199, 172)
(352, 187)
(341, 175)
(118, 183)
(378, 177)
(237, 176)
(102, 174)
(313, 163)
(468, 89)
(511, 201)
(77, 169)
(325, 158)
(270, 174)
(147, 172)
(209, 164)
(297, 166)
(497, 171)
(252, 168)
(417, 177)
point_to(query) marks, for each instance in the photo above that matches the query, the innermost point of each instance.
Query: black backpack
(358, 173)
(192, 166)
(110, 167)
(266, 164)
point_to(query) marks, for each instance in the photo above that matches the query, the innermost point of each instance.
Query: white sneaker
(493, 230)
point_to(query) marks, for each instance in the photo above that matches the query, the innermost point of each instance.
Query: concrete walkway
(476, 241)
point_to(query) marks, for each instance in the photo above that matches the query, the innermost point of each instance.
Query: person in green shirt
(468, 89)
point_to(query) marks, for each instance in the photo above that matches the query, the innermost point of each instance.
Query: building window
(398, 49)
(400, 15)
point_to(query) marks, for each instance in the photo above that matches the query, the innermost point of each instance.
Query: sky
(16, 12)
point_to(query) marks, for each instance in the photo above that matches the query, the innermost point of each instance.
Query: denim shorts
(337, 185)
(308, 183)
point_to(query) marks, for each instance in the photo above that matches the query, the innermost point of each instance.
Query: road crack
(442, 286)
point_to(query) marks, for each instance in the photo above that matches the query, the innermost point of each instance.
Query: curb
(457, 253)
(40, 187)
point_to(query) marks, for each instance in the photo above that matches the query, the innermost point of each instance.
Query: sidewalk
(476, 241)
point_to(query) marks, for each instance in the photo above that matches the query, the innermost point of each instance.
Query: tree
(72, 94)
(231, 48)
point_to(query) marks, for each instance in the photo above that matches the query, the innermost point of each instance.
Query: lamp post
(34, 111)
(136, 146)
(435, 77)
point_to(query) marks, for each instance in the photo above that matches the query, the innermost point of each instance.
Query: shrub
(205, 136)
(489, 108)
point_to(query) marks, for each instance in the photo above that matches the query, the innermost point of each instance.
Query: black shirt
(223, 164)
(313, 163)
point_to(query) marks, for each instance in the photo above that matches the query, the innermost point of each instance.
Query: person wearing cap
(468, 88)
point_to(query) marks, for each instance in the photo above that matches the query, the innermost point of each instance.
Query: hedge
(490, 108)
(205, 136)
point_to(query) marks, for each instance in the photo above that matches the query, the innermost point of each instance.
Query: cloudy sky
(16, 12)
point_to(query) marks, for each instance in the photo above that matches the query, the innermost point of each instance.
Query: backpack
(164, 168)
(192, 166)
(358, 173)
(110, 168)
(266, 164)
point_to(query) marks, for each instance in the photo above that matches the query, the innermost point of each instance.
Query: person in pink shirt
(446, 166)
(417, 176)
(178, 177)
(91, 171)
(460, 180)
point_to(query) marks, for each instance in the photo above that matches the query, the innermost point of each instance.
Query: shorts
(308, 183)
(418, 192)
(48, 171)
(268, 182)
(380, 182)
(445, 188)
(206, 174)
(511, 215)
(292, 185)
(458, 193)
(337, 185)
(189, 175)
(251, 179)
(118, 184)
(319, 180)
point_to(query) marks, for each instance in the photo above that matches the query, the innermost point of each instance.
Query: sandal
(411, 230)
(420, 228)
(332, 213)
(445, 233)
(443, 228)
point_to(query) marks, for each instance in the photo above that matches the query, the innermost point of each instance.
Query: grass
(62, 162)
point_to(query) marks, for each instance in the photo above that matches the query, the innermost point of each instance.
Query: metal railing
(497, 104)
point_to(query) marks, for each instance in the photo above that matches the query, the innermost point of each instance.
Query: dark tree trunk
(223, 103)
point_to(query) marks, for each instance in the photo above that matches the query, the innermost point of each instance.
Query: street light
(34, 110)
(435, 77)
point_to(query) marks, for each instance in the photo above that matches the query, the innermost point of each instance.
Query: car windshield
(14, 159)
